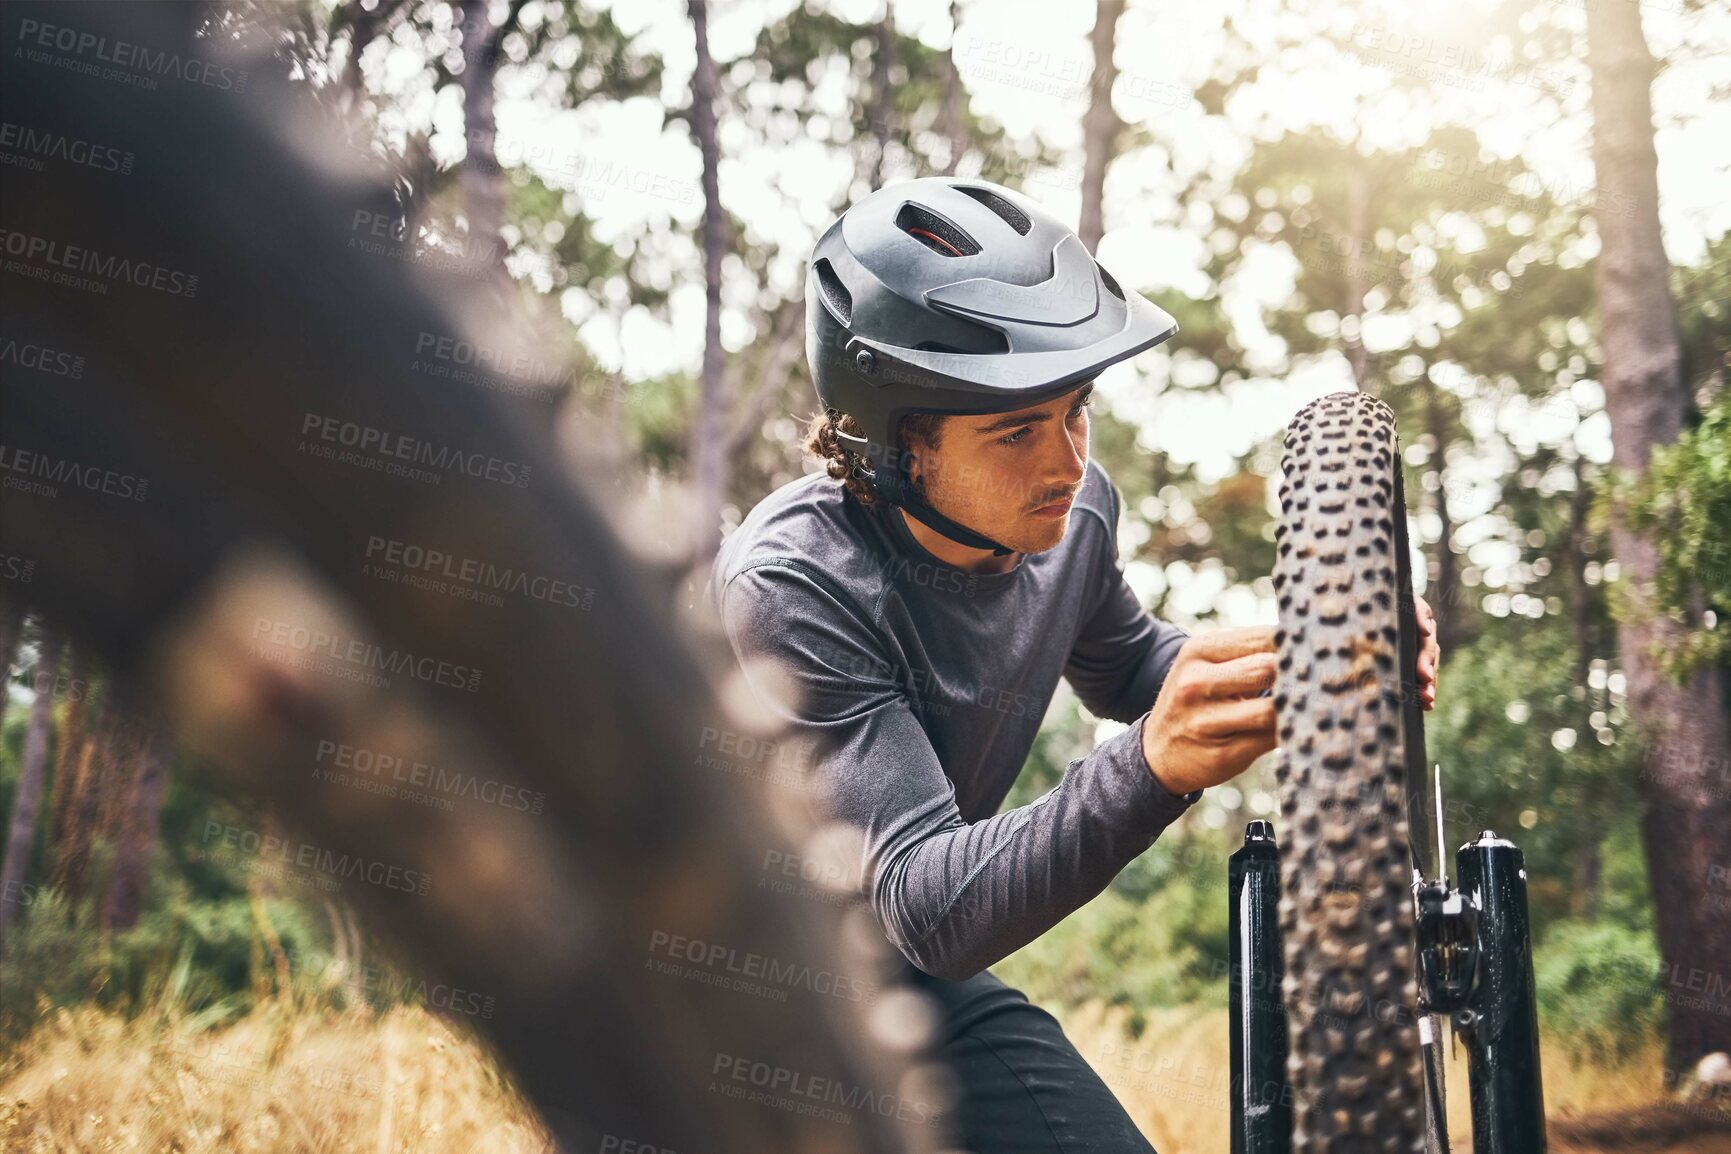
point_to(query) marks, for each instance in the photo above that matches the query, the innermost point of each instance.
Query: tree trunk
(1580, 595)
(483, 181)
(883, 94)
(135, 839)
(1688, 818)
(1584, 899)
(11, 632)
(955, 126)
(1101, 125)
(27, 801)
(781, 340)
(708, 461)
(1357, 280)
(112, 791)
(1447, 596)
(92, 772)
(70, 748)
(1589, 868)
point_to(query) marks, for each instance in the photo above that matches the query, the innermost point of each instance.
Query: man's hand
(1429, 654)
(1209, 723)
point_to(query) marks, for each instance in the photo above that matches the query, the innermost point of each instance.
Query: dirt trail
(1176, 1076)
(1664, 1129)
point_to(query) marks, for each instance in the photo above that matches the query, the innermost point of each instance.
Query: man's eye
(1080, 406)
(1015, 437)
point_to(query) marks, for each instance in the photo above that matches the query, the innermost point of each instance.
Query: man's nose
(1069, 460)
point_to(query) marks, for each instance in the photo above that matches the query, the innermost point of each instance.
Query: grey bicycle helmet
(942, 295)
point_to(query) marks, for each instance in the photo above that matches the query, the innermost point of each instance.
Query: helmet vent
(935, 232)
(1013, 216)
(986, 343)
(1111, 281)
(840, 300)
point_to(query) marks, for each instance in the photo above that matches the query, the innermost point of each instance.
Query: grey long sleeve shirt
(923, 686)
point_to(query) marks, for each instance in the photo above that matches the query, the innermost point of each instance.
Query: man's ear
(916, 466)
(921, 451)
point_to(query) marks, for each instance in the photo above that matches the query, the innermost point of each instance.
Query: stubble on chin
(1029, 535)
(1025, 534)
(1047, 539)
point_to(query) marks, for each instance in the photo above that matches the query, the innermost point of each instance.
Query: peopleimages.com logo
(242, 843)
(41, 358)
(79, 267)
(443, 572)
(349, 442)
(501, 370)
(29, 471)
(137, 64)
(749, 1079)
(23, 146)
(354, 658)
(416, 780)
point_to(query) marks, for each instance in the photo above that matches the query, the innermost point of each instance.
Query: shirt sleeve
(1122, 654)
(953, 896)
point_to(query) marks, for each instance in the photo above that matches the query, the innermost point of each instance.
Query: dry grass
(405, 1083)
(1175, 1079)
(354, 1083)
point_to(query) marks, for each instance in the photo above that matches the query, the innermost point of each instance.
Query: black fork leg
(1261, 1098)
(1501, 1023)
(1405, 693)
(1417, 772)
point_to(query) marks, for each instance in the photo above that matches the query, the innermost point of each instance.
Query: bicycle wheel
(1350, 733)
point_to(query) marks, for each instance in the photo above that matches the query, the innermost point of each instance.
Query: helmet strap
(895, 489)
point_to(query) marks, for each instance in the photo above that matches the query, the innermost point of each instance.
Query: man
(926, 605)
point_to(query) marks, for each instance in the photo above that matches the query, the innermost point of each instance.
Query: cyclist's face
(1011, 476)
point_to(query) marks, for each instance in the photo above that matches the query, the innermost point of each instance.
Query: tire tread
(1346, 912)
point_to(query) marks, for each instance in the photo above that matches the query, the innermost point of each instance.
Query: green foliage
(1156, 937)
(661, 420)
(591, 55)
(776, 88)
(1704, 318)
(1598, 985)
(194, 948)
(185, 955)
(1514, 730)
(1206, 330)
(541, 213)
(1682, 503)
(1625, 894)
(50, 953)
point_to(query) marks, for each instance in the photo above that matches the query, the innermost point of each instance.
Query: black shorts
(1024, 1087)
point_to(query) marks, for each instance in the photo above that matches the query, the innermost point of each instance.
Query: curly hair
(845, 465)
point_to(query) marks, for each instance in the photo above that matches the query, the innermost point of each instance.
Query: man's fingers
(1253, 716)
(1244, 750)
(1426, 618)
(1241, 677)
(1227, 644)
(1429, 660)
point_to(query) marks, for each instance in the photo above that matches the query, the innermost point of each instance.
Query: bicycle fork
(1261, 1097)
(1475, 969)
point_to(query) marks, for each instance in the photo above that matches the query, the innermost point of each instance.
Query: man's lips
(1056, 508)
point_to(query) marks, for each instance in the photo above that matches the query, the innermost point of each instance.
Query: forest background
(1507, 220)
